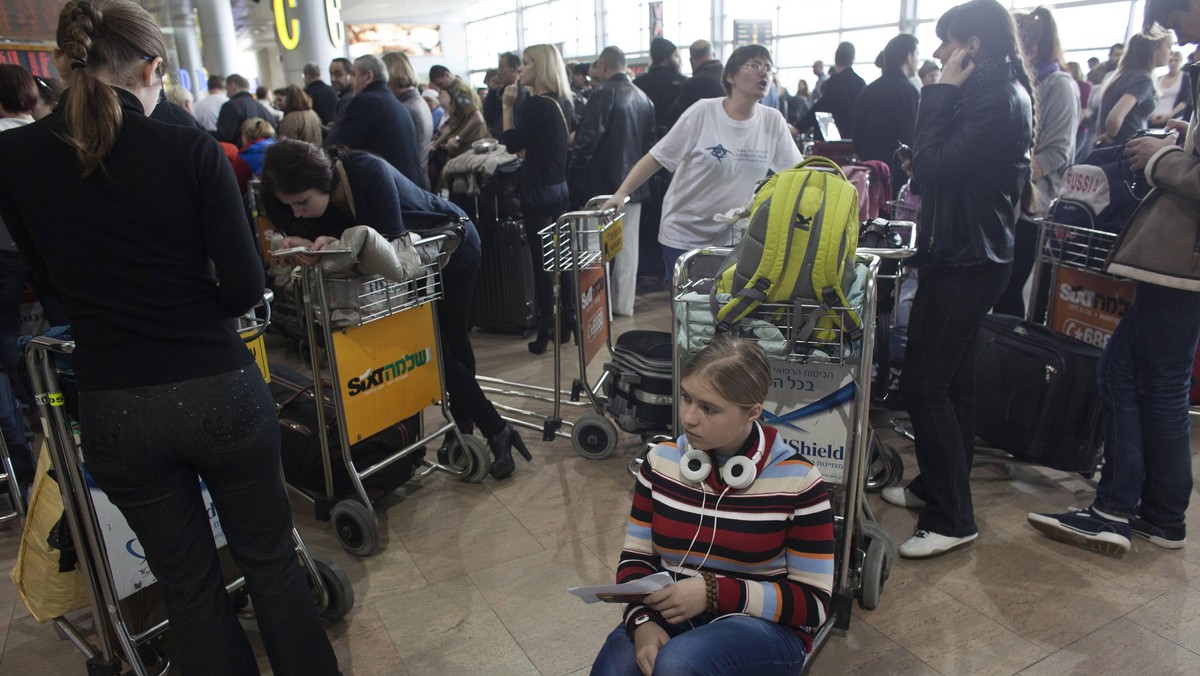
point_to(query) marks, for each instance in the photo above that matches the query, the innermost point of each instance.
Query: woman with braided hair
(153, 257)
(971, 166)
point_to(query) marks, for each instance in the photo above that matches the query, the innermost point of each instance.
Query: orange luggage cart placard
(388, 370)
(1087, 306)
(594, 311)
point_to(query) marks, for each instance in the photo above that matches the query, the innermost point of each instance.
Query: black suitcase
(504, 294)
(638, 389)
(301, 447)
(1036, 394)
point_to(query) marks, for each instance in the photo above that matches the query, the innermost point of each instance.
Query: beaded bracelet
(710, 592)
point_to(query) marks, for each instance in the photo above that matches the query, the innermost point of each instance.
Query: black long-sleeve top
(542, 134)
(885, 114)
(132, 248)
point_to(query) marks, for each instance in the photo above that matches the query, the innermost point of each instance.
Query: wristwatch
(642, 619)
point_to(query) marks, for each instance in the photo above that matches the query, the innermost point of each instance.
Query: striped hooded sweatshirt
(772, 553)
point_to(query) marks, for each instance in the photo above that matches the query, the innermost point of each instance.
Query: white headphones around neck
(738, 472)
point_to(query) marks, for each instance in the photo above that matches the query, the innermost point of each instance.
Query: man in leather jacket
(617, 129)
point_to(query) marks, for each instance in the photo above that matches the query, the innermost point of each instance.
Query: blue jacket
(254, 154)
(376, 122)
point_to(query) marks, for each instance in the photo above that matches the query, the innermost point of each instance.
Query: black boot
(538, 345)
(502, 444)
(449, 446)
(567, 327)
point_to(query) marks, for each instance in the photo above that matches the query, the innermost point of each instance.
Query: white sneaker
(924, 544)
(901, 497)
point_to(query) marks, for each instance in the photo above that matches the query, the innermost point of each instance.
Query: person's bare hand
(1178, 126)
(616, 203)
(322, 242)
(648, 639)
(906, 165)
(297, 259)
(1140, 150)
(955, 72)
(510, 96)
(679, 602)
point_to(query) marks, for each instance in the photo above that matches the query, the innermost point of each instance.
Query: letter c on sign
(333, 20)
(288, 40)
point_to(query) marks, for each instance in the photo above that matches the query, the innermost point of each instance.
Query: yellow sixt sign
(388, 370)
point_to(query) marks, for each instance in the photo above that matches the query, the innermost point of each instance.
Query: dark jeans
(938, 386)
(1143, 377)
(144, 447)
(468, 404)
(537, 218)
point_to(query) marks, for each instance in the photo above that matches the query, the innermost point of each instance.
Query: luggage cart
(829, 377)
(114, 579)
(382, 345)
(582, 242)
(579, 242)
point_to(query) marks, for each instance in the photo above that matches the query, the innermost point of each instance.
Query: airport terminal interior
(473, 577)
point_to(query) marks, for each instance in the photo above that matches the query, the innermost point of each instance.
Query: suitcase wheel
(338, 596)
(355, 527)
(594, 437)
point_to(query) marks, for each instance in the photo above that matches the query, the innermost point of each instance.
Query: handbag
(1160, 244)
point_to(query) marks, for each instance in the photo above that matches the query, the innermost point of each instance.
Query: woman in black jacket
(140, 229)
(971, 163)
(544, 134)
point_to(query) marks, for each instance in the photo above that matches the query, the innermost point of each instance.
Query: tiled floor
(471, 579)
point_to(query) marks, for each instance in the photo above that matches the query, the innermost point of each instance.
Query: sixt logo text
(376, 377)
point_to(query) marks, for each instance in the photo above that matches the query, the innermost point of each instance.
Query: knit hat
(661, 48)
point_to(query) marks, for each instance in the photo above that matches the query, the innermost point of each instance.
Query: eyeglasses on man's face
(759, 67)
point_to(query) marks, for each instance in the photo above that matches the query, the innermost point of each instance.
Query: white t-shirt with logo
(717, 161)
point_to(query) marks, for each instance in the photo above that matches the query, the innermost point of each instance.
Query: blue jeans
(144, 447)
(938, 387)
(1143, 377)
(738, 644)
(670, 255)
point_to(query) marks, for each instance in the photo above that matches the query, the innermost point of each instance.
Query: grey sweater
(1054, 145)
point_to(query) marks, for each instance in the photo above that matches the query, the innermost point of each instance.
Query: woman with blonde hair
(402, 81)
(257, 136)
(300, 121)
(154, 258)
(544, 134)
(1128, 98)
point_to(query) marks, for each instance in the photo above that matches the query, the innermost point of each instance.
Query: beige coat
(302, 125)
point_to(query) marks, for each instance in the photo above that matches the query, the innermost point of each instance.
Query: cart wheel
(339, 593)
(873, 575)
(594, 437)
(475, 462)
(886, 468)
(355, 527)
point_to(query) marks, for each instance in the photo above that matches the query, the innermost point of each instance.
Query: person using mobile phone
(971, 164)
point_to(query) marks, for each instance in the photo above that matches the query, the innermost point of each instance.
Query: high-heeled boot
(501, 445)
(538, 345)
(567, 327)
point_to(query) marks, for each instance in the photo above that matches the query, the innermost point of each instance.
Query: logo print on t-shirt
(718, 151)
